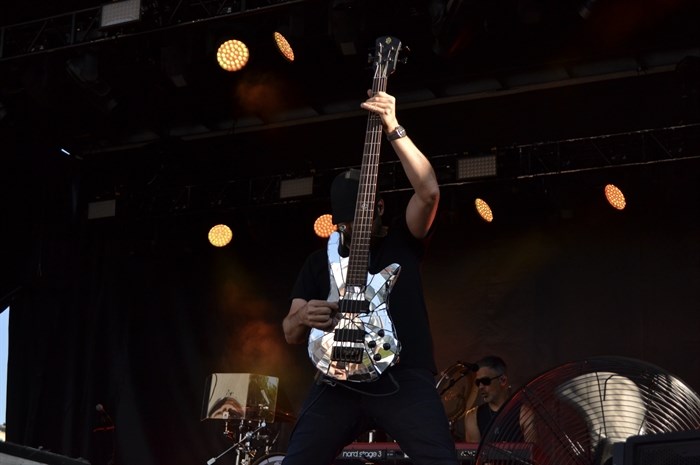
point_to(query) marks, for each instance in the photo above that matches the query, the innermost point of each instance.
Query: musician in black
(494, 390)
(403, 401)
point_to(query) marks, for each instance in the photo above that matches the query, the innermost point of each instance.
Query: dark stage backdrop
(133, 313)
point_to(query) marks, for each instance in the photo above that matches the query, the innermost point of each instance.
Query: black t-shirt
(406, 301)
(506, 429)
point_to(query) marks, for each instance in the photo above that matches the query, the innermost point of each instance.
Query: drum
(274, 458)
(456, 388)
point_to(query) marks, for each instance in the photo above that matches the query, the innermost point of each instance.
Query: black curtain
(118, 321)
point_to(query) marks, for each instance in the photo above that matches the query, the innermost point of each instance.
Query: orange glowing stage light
(232, 55)
(323, 226)
(615, 197)
(283, 46)
(484, 210)
(220, 235)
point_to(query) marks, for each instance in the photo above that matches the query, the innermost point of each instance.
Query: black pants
(403, 402)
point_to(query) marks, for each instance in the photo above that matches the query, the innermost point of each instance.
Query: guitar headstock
(386, 54)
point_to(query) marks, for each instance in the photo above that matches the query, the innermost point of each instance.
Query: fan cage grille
(574, 413)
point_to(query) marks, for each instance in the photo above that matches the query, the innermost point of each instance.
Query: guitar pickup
(349, 335)
(347, 354)
(354, 306)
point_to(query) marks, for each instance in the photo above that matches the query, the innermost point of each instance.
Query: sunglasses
(486, 381)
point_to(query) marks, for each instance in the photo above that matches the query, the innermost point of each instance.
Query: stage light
(296, 187)
(476, 167)
(483, 210)
(323, 226)
(232, 55)
(283, 46)
(102, 209)
(615, 197)
(120, 13)
(220, 235)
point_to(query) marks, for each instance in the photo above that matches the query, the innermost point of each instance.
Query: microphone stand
(246, 438)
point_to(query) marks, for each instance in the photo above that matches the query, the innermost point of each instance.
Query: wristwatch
(397, 133)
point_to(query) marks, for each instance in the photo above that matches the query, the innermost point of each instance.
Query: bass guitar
(363, 343)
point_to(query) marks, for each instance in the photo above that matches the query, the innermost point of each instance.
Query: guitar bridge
(347, 354)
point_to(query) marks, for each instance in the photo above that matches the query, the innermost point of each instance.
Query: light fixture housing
(298, 187)
(113, 14)
(283, 46)
(220, 235)
(483, 209)
(323, 226)
(232, 55)
(476, 167)
(615, 197)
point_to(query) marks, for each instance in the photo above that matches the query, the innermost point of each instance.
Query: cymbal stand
(242, 446)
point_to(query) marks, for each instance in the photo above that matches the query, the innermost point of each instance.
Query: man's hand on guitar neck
(319, 314)
(383, 105)
(422, 208)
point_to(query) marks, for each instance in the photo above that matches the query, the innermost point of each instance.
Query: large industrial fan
(576, 412)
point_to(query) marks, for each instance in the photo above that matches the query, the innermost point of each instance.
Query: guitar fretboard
(367, 191)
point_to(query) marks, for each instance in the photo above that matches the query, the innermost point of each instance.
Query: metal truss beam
(515, 164)
(79, 28)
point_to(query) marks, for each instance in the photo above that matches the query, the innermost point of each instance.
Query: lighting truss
(518, 162)
(85, 26)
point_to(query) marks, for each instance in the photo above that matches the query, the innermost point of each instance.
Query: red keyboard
(466, 451)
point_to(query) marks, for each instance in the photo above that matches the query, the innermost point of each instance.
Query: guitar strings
(364, 219)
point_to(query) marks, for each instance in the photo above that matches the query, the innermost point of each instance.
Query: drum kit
(255, 439)
(247, 404)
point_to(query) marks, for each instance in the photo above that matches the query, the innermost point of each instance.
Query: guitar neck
(367, 191)
(362, 344)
